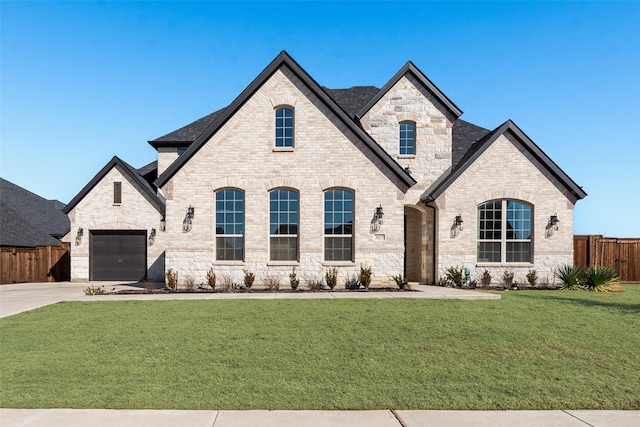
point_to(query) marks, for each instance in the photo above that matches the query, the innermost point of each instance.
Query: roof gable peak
(410, 68)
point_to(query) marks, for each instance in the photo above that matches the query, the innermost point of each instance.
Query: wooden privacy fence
(621, 254)
(39, 264)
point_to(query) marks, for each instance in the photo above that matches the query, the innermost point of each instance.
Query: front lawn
(530, 350)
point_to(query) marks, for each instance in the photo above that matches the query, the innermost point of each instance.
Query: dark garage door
(118, 254)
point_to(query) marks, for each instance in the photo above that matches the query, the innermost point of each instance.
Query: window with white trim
(283, 225)
(505, 231)
(284, 127)
(407, 138)
(338, 225)
(229, 225)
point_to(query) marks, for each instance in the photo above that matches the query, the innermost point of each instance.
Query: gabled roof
(353, 99)
(283, 59)
(409, 68)
(28, 220)
(476, 150)
(147, 191)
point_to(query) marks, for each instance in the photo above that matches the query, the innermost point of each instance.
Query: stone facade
(420, 194)
(241, 155)
(97, 211)
(505, 170)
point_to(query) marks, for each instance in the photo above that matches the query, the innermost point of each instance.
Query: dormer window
(284, 127)
(407, 138)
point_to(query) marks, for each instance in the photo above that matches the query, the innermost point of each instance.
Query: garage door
(118, 254)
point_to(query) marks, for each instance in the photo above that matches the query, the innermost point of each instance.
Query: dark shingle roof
(186, 134)
(353, 99)
(148, 190)
(28, 219)
(465, 134)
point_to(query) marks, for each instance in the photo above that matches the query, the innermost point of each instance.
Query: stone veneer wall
(506, 171)
(408, 100)
(98, 212)
(241, 155)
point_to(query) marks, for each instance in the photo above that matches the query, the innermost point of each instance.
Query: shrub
(570, 276)
(313, 283)
(600, 279)
(532, 277)
(249, 278)
(211, 278)
(190, 283)
(294, 282)
(171, 279)
(352, 283)
(331, 277)
(507, 278)
(457, 276)
(271, 282)
(401, 281)
(485, 279)
(227, 283)
(364, 278)
(95, 290)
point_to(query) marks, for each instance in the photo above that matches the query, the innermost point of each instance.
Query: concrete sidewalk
(382, 418)
(17, 298)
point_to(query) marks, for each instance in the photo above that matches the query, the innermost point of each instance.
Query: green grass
(530, 350)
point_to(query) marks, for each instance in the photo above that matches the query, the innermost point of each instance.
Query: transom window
(338, 225)
(230, 225)
(504, 231)
(283, 225)
(284, 127)
(407, 138)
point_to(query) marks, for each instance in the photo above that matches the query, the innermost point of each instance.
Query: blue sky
(84, 81)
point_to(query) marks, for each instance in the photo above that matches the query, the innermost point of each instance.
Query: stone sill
(228, 263)
(338, 264)
(283, 149)
(506, 265)
(283, 264)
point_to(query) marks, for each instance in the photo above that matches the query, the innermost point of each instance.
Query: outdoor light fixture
(377, 220)
(552, 225)
(188, 220)
(163, 224)
(459, 222)
(379, 215)
(152, 236)
(79, 236)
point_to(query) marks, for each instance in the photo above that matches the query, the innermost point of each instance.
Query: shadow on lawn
(626, 308)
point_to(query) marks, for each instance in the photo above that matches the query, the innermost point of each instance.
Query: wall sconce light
(188, 220)
(459, 222)
(152, 236)
(79, 236)
(163, 224)
(379, 215)
(552, 225)
(377, 220)
(457, 226)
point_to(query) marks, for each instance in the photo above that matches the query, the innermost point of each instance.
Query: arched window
(407, 138)
(229, 225)
(505, 231)
(283, 225)
(284, 127)
(338, 225)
